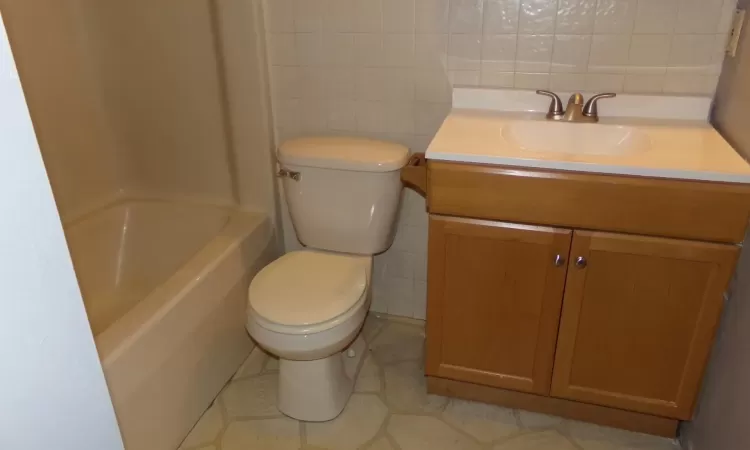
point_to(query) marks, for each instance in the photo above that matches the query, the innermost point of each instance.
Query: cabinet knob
(581, 262)
(559, 260)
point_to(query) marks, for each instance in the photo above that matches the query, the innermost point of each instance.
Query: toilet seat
(308, 291)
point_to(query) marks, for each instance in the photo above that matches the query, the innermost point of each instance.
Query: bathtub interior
(123, 252)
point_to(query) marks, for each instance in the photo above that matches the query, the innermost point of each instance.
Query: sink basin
(576, 138)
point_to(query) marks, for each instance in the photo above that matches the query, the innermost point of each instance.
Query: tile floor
(390, 410)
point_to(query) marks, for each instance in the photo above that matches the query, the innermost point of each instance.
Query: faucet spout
(574, 110)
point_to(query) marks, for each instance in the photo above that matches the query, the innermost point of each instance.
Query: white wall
(384, 69)
(53, 394)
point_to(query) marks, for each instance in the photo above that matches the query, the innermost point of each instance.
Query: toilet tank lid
(344, 153)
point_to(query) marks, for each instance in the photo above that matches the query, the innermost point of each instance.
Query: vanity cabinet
(495, 294)
(594, 297)
(638, 321)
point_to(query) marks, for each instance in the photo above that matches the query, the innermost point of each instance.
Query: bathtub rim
(128, 329)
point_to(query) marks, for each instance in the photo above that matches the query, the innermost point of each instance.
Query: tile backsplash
(385, 68)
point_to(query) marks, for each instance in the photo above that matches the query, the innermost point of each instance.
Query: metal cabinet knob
(559, 260)
(581, 262)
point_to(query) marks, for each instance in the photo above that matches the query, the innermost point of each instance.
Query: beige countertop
(681, 149)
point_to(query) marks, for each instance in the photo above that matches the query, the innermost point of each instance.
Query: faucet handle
(590, 109)
(555, 108)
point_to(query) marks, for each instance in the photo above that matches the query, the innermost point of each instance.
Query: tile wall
(384, 68)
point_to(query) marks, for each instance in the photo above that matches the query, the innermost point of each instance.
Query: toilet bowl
(308, 307)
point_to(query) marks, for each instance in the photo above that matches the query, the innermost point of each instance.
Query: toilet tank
(347, 193)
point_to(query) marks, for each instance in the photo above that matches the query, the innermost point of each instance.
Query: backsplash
(385, 68)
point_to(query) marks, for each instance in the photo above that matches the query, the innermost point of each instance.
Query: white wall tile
(431, 50)
(420, 300)
(369, 15)
(610, 53)
(464, 52)
(656, 16)
(398, 16)
(280, 16)
(499, 52)
(466, 16)
(464, 77)
(531, 80)
(537, 16)
(368, 49)
(308, 15)
(489, 78)
(600, 82)
(576, 16)
(309, 48)
(501, 16)
(534, 53)
(342, 115)
(699, 16)
(692, 53)
(681, 83)
(398, 50)
(649, 84)
(432, 86)
(340, 16)
(338, 49)
(649, 53)
(281, 49)
(567, 82)
(571, 53)
(615, 16)
(432, 16)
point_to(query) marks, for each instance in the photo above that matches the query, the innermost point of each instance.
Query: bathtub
(164, 284)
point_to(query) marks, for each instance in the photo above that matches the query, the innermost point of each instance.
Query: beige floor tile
(398, 342)
(422, 433)
(406, 389)
(208, 427)
(372, 327)
(368, 379)
(253, 365)
(486, 423)
(541, 440)
(357, 424)
(534, 420)
(208, 447)
(272, 364)
(252, 397)
(595, 437)
(381, 444)
(266, 434)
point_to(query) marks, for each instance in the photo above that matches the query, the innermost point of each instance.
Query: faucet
(576, 111)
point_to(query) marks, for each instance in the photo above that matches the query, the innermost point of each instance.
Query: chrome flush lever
(289, 174)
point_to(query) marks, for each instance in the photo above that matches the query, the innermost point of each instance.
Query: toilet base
(317, 390)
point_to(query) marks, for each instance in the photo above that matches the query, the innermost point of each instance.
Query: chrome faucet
(576, 111)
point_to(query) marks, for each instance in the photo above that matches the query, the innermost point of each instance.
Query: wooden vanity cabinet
(611, 326)
(495, 293)
(638, 321)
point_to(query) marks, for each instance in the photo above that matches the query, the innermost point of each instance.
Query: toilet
(308, 306)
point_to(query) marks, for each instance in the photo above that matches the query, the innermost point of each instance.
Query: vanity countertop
(680, 143)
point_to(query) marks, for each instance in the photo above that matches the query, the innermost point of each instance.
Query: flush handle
(289, 174)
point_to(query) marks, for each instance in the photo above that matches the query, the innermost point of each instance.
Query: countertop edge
(603, 169)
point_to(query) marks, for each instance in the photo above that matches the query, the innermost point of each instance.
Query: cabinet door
(494, 298)
(638, 321)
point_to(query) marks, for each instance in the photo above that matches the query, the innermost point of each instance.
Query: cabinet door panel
(638, 321)
(494, 298)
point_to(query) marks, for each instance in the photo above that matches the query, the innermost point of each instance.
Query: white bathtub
(164, 285)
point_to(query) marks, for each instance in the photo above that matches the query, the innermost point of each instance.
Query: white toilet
(308, 306)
